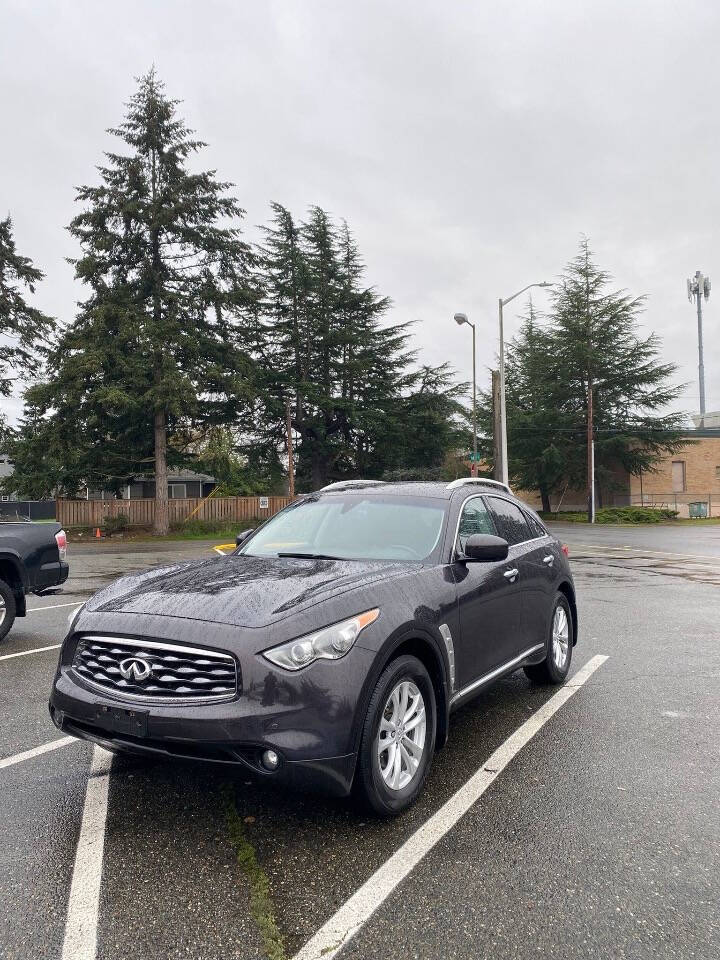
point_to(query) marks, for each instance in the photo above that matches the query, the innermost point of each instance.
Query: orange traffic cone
(97, 533)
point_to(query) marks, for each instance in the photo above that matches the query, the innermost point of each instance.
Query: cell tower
(698, 288)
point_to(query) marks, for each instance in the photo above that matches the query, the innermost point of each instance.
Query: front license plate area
(120, 720)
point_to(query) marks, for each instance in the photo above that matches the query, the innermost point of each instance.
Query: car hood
(239, 590)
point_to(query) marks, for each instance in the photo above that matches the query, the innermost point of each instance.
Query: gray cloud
(469, 145)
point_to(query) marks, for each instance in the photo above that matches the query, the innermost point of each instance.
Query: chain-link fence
(686, 504)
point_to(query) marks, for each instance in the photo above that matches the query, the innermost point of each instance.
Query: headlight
(73, 615)
(330, 643)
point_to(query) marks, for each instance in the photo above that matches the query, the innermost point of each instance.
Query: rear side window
(510, 521)
(536, 528)
(475, 518)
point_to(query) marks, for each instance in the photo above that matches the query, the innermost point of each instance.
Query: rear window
(536, 528)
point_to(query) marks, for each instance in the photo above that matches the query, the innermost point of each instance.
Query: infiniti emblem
(136, 668)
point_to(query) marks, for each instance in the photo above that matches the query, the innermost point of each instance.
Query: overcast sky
(468, 144)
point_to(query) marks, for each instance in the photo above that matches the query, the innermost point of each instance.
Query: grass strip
(261, 903)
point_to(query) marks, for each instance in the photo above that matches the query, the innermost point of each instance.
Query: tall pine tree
(155, 356)
(25, 331)
(596, 347)
(588, 342)
(322, 346)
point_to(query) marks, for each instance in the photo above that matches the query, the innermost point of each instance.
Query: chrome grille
(176, 674)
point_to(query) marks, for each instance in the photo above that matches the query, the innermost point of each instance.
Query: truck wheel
(7, 609)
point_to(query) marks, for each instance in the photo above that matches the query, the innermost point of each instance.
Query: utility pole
(474, 470)
(291, 464)
(497, 425)
(698, 288)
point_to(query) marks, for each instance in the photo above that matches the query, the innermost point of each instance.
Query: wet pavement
(600, 839)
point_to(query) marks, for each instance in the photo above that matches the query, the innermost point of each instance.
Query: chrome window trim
(486, 678)
(473, 496)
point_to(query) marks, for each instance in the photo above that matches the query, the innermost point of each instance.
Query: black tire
(9, 607)
(548, 671)
(369, 781)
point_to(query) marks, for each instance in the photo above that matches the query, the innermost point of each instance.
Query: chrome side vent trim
(447, 637)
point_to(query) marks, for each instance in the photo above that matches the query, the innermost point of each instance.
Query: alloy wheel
(401, 740)
(560, 637)
(3, 611)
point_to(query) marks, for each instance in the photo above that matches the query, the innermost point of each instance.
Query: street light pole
(460, 319)
(504, 473)
(503, 420)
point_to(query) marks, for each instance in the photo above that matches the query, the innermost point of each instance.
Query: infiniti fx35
(330, 648)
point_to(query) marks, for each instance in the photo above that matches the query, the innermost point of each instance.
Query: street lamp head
(544, 284)
(461, 318)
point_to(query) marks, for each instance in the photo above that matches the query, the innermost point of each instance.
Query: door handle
(511, 575)
(549, 559)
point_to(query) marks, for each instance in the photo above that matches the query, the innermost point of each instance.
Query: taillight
(566, 550)
(61, 541)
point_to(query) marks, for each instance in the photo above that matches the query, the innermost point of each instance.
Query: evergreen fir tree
(24, 330)
(595, 346)
(588, 341)
(359, 405)
(155, 356)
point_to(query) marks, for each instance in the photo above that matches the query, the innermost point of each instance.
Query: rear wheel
(7, 609)
(398, 737)
(556, 665)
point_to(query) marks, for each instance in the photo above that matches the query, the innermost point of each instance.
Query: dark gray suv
(330, 648)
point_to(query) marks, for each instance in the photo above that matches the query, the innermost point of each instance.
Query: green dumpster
(698, 509)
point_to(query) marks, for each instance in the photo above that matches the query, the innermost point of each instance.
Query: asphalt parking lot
(600, 837)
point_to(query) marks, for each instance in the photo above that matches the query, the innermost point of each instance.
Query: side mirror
(484, 547)
(242, 537)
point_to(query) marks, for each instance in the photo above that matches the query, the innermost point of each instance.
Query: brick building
(690, 475)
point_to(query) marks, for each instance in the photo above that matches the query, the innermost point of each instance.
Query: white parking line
(81, 927)
(37, 751)
(356, 911)
(26, 653)
(55, 606)
(662, 554)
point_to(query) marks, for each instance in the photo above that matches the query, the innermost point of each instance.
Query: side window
(475, 518)
(536, 528)
(510, 521)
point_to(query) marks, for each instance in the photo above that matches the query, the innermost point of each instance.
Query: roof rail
(482, 480)
(353, 484)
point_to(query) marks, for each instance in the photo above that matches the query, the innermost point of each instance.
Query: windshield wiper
(311, 556)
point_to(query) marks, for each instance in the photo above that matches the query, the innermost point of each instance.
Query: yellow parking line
(222, 547)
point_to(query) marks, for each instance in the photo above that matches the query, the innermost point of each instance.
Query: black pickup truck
(32, 560)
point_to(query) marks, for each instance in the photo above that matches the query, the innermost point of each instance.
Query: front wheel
(556, 665)
(398, 737)
(7, 609)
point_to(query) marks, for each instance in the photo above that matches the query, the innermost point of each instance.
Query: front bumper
(333, 775)
(310, 718)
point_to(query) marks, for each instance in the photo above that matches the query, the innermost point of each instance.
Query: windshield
(353, 527)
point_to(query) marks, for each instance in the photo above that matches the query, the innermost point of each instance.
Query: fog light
(270, 760)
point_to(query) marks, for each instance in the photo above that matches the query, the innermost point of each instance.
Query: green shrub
(634, 514)
(618, 515)
(116, 524)
(210, 528)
